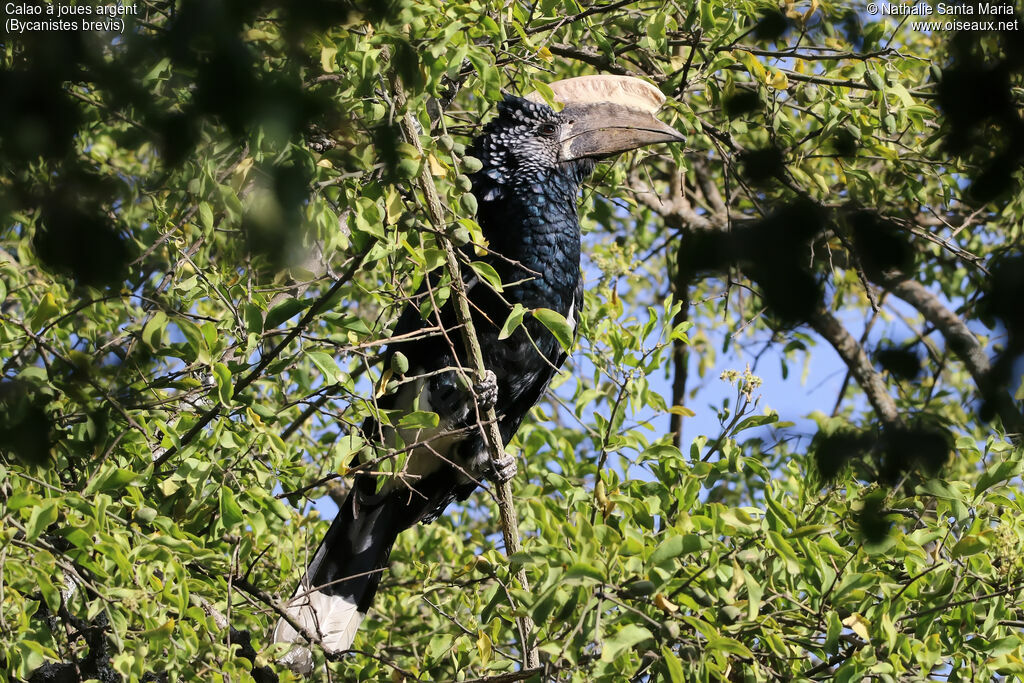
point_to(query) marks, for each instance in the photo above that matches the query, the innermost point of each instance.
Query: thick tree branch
(677, 212)
(960, 340)
(680, 214)
(846, 379)
(491, 432)
(709, 189)
(826, 324)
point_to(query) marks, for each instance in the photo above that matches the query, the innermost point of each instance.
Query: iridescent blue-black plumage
(527, 211)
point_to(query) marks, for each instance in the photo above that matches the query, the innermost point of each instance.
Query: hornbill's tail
(342, 579)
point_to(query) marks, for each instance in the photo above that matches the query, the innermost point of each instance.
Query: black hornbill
(533, 162)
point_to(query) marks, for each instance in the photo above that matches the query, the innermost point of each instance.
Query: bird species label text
(30, 18)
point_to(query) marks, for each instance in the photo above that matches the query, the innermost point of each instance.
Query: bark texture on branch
(961, 341)
(852, 353)
(503, 491)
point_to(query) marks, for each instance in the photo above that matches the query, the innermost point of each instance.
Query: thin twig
(512, 677)
(255, 373)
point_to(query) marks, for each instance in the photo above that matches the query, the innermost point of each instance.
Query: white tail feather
(332, 618)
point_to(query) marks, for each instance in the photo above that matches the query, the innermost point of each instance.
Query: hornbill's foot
(503, 470)
(486, 391)
(299, 660)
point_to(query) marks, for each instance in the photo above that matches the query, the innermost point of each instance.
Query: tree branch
(509, 677)
(826, 324)
(564, 21)
(254, 374)
(491, 433)
(591, 57)
(960, 340)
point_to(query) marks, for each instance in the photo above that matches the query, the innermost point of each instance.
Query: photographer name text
(941, 9)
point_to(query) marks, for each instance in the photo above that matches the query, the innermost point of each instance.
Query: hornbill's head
(603, 115)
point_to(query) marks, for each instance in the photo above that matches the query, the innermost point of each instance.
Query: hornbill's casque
(534, 160)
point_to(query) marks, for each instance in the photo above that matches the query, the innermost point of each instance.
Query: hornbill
(533, 162)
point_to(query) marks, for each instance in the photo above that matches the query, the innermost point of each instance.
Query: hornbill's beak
(607, 115)
(601, 129)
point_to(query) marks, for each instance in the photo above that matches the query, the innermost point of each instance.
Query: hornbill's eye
(547, 129)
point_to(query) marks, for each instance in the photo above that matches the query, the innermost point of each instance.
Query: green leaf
(326, 365)
(327, 55)
(489, 74)
(31, 656)
(230, 511)
(547, 93)
(487, 272)
(584, 571)
(944, 490)
(556, 324)
(21, 499)
(835, 629)
(283, 311)
(663, 452)
(673, 666)
(626, 638)
(157, 69)
(755, 421)
(193, 338)
(433, 258)
(753, 65)
(779, 511)
(970, 544)
(253, 318)
(1004, 471)
(224, 388)
(206, 217)
(48, 590)
(115, 480)
(669, 549)
(755, 591)
(542, 609)
(153, 332)
(41, 517)
(740, 519)
(785, 551)
(514, 320)
(1003, 646)
(439, 645)
(419, 419)
(46, 309)
(729, 645)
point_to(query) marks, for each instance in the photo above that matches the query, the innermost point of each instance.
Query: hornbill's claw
(503, 470)
(486, 391)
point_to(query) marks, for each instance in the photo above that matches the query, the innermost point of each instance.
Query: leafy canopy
(209, 225)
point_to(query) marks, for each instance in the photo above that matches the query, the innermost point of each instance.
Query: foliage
(208, 227)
